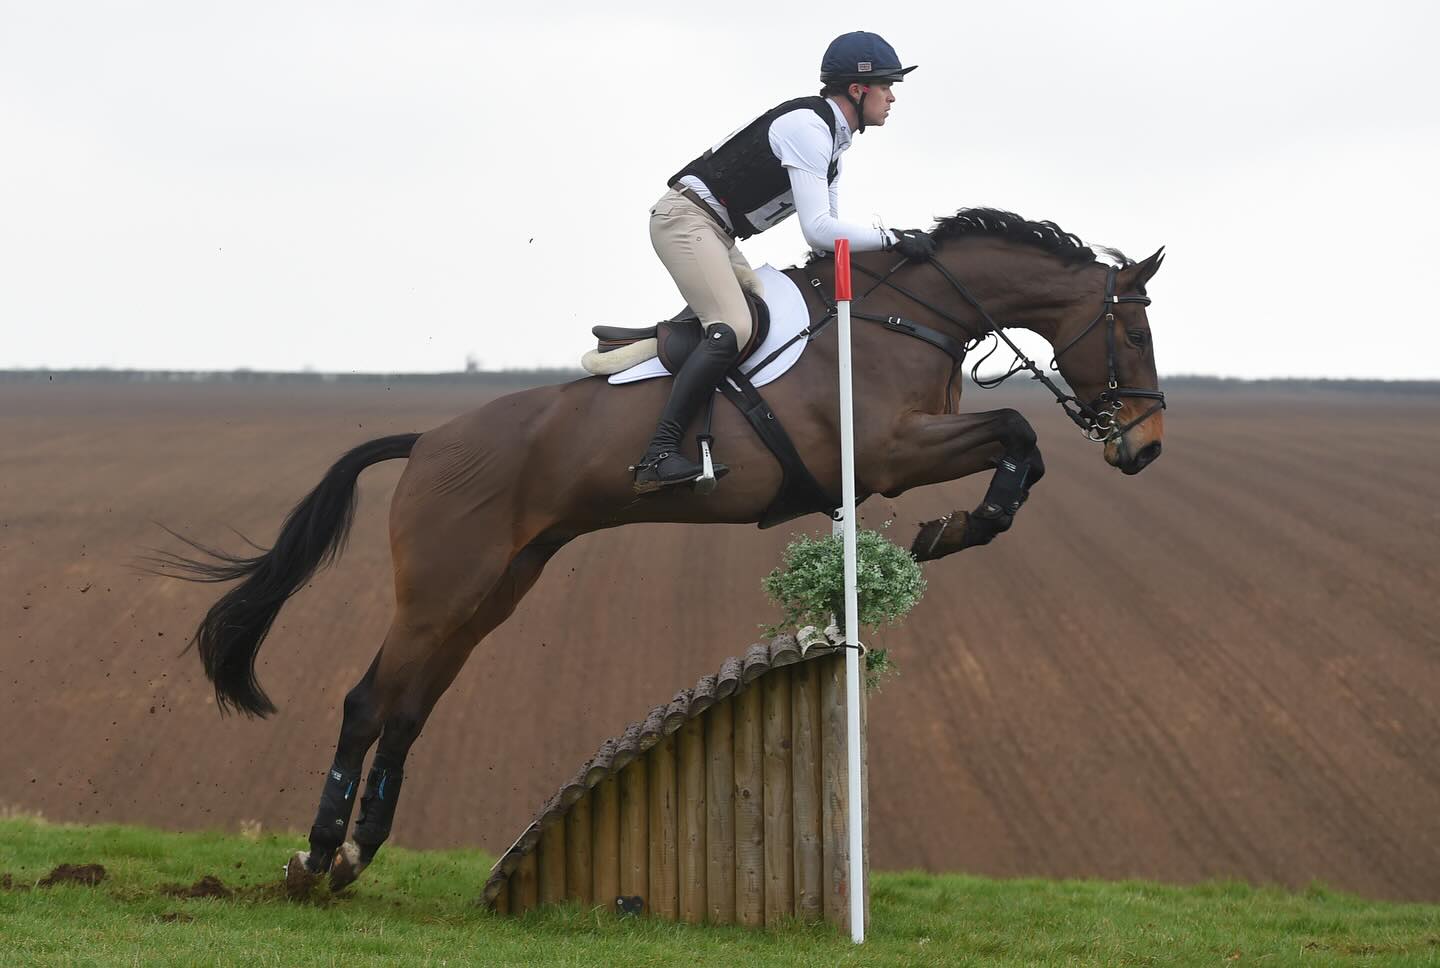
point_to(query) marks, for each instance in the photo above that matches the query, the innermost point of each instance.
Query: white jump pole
(846, 523)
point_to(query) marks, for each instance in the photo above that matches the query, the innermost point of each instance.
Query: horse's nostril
(1148, 453)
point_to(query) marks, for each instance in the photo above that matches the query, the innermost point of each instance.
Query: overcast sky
(383, 187)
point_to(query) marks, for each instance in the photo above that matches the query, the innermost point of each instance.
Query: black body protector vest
(743, 173)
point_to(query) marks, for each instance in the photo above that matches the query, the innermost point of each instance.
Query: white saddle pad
(788, 316)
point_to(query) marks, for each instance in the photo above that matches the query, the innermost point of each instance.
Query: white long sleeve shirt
(802, 143)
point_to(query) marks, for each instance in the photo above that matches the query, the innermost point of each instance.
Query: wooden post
(605, 842)
(502, 900)
(551, 852)
(749, 807)
(720, 813)
(635, 831)
(579, 875)
(835, 831)
(779, 815)
(691, 827)
(524, 886)
(805, 777)
(664, 817)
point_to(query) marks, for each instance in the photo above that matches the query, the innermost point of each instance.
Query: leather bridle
(1097, 419)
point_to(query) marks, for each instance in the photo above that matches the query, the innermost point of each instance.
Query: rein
(1097, 419)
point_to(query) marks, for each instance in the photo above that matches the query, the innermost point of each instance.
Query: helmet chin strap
(859, 107)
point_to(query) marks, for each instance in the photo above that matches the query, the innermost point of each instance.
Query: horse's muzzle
(1142, 459)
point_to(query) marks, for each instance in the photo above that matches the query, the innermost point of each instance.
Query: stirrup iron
(705, 483)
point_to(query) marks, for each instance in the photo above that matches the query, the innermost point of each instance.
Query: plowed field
(1227, 666)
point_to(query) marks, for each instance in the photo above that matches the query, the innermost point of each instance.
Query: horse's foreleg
(931, 449)
(408, 711)
(959, 530)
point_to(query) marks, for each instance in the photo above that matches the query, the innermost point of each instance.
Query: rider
(786, 160)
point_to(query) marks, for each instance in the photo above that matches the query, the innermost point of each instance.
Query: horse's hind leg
(358, 731)
(380, 718)
(410, 707)
(426, 631)
(362, 725)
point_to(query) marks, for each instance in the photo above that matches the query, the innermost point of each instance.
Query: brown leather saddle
(678, 336)
(799, 492)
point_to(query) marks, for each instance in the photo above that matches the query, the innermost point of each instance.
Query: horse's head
(1104, 351)
(1093, 315)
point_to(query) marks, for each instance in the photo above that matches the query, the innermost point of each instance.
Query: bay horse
(488, 498)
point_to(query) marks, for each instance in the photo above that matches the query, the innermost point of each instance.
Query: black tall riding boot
(663, 463)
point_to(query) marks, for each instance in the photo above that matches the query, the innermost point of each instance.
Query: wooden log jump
(725, 805)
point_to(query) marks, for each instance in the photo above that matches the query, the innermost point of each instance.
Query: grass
(417, 908)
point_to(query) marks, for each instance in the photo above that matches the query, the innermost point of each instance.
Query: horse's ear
(1142, 272)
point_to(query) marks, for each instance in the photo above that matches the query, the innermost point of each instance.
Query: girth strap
(799, 492)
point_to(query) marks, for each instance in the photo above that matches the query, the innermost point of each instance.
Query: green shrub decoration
(810, 583)
(878, 668)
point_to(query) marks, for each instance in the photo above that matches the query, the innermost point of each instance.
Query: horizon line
(513, 374)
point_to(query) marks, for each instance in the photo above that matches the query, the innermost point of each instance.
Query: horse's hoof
(933, 542)
(346, 868)
(299, 879)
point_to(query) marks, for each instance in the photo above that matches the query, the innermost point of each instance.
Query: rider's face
(877, 101)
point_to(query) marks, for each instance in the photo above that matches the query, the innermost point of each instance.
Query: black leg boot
(663, 464)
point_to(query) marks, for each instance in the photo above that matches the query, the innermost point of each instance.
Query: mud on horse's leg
(1017, 469)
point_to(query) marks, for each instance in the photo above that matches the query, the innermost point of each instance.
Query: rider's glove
(914, 244)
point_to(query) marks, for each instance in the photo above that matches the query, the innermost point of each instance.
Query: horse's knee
(1015, 432)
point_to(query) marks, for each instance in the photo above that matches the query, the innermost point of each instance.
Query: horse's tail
(313, 536)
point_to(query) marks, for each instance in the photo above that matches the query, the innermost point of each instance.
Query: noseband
(1098, 419)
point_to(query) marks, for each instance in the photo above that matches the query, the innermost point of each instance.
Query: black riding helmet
(861, 57)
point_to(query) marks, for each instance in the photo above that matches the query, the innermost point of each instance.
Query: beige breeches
(702, 259)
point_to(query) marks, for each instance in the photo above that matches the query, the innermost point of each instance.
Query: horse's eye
(1136, 338)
